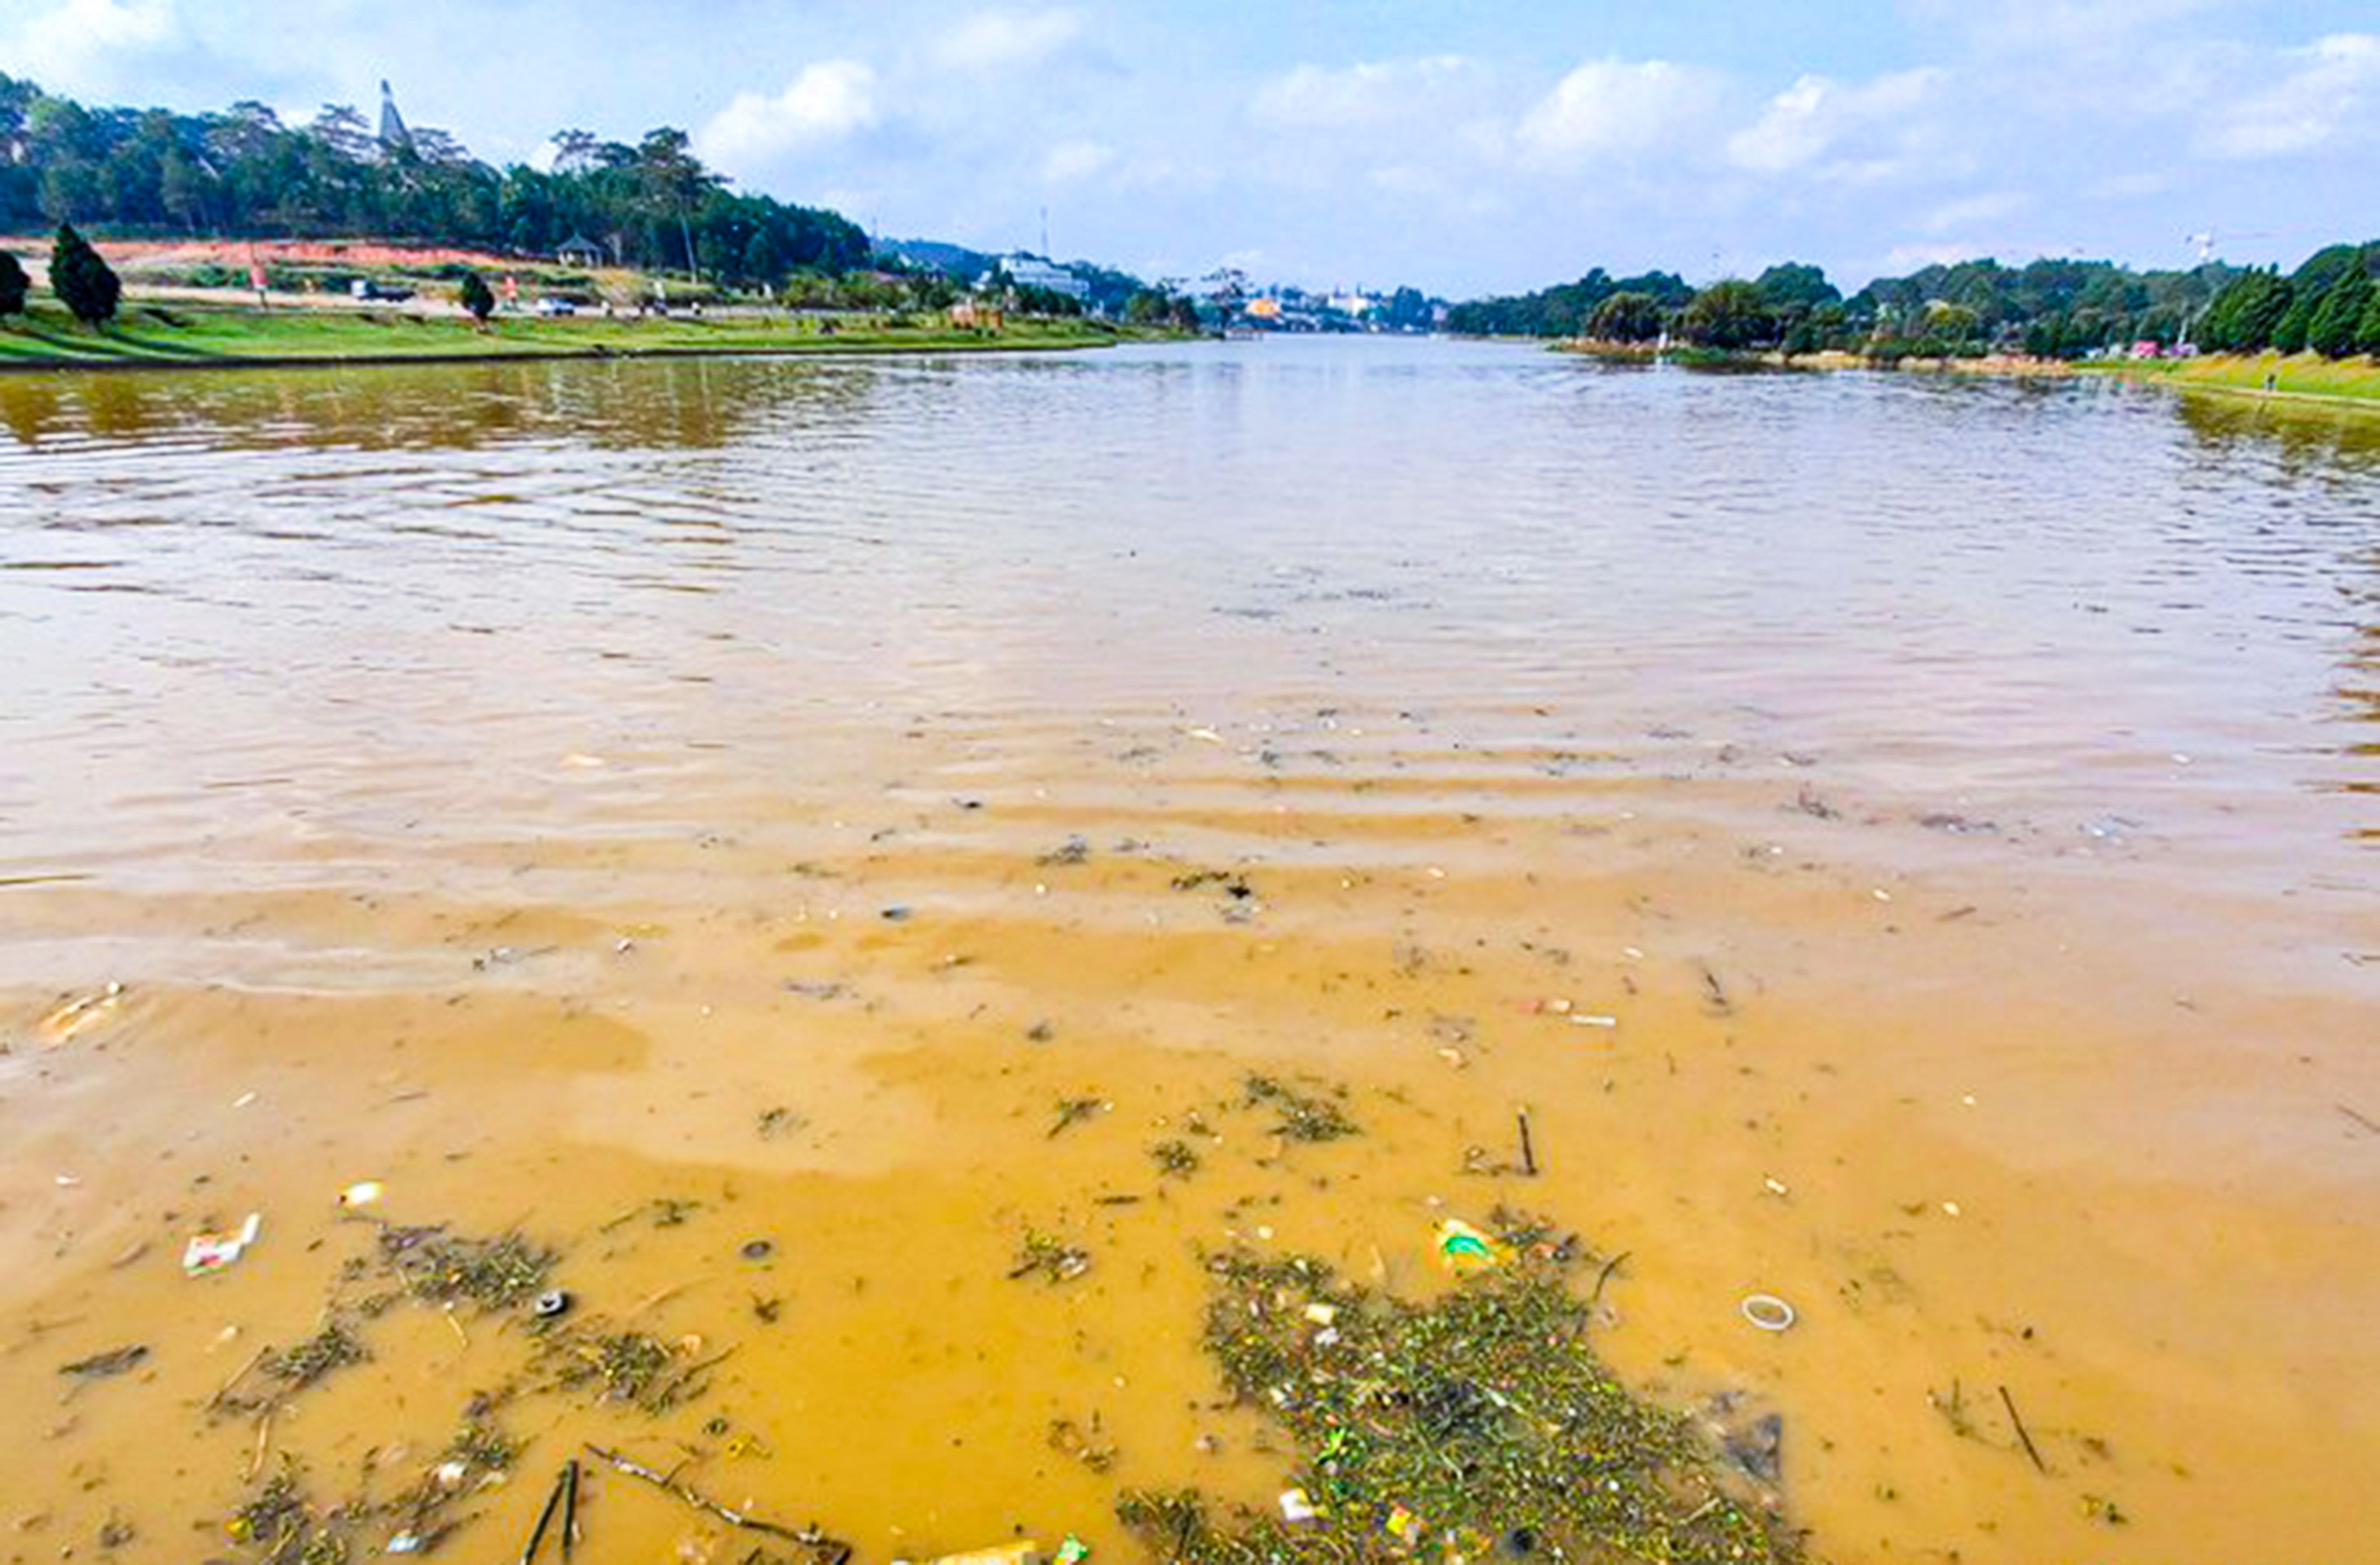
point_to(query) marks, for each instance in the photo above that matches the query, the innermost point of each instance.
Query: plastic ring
(1768, 1312)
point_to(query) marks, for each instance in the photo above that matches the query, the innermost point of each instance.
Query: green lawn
(180, 334)
(2307, 376)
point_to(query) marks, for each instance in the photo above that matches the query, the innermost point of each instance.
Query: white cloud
(2132, 187)
(828, 101)
(1811, 118)
(1910, 257)
(1363, 94)
(2057, 27)
(1071, 160)
(1611, 107)
(1969, 211)
(1004, 39)
(68, 47)
(2331, 95)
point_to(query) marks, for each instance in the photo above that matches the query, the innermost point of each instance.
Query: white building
(1032, 272)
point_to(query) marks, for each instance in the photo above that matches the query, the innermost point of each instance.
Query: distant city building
(1032, 272)
(392, 133)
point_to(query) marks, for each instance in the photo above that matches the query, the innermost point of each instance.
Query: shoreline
(2304, 380)
(815, 348)
(161, 336)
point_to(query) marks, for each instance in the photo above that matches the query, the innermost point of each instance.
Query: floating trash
(75, 1015)
(552, 1304)
(1768, 1312)
(209, 1253)
(1464, 1247)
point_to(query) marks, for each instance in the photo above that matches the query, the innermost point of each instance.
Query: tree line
(2048, 309)
(151, 173)
(2330, 305)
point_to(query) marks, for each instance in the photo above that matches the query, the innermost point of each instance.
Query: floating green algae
(1477, 1424)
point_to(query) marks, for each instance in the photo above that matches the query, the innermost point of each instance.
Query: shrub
(84, 283)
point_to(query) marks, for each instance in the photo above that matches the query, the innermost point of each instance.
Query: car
(551, 306)
(364, 288)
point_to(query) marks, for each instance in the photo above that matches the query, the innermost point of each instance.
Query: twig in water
(2029, 1449)
(2362, 1120)
(1528, 1152)
(650, 1300)
(544, 1517)
(569, 1507)
(224, 1389)
(1605, 1275)
(833, 1549)
(263, 1439)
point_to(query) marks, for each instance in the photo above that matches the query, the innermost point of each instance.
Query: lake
(1909, 843)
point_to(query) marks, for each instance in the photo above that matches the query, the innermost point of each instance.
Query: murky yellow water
(493, 782)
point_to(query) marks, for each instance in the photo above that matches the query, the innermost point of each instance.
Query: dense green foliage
(2330, 305)
(14, 285)
(477, 297)
(241, 171)
(1562, 311)
(83, 282)
(2051, 309)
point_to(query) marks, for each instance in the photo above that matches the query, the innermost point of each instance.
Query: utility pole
(1045, 236)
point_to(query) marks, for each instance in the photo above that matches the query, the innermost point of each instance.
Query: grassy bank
(1689, 357)
(2306, 377)
(151, 335)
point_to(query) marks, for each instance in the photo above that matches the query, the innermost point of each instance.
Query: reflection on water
(1961, 795)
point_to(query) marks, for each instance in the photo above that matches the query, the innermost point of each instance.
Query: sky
(1461, 147)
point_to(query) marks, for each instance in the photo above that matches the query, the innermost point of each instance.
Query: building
(1032, 272)
(578, 251)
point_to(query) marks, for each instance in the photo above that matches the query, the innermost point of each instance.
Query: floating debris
(1049, 1256)
(1303, 1118)
(75, 1016)
(821, 1549)
(1175, 1160)
(635, 1368)
(331, 1348)
(1070, 1440)
(278, 1520)
(1077, 850)
(99, 1366)
(206, 1253)
(494, 1273)
(1464, 1423)
(775, 1123)
(1073, 1111)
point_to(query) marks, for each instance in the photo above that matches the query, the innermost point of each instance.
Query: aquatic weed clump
(1303, 1117)
(494, 1273)
(329, 1349)
(1477, 1423)
(282, 1528)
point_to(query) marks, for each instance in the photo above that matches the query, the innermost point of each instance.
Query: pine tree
(2338, 319)
(84, 282)
(14, 285)
(477, 297)
(2289, 334)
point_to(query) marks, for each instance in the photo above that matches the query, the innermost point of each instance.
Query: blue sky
(1461, 146)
